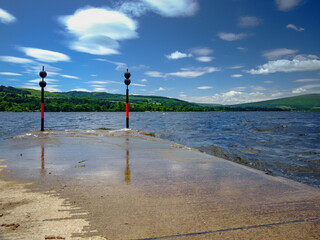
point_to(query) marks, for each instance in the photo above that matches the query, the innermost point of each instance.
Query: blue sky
(206, 51)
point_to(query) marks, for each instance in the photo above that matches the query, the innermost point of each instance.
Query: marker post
(127, 81)
(42, 84)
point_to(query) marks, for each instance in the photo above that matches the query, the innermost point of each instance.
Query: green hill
(310, 102)
(27, 100)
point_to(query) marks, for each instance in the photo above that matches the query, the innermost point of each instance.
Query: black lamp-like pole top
(127, 76)
(42, 74)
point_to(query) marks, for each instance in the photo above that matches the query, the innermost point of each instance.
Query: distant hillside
(310, 102)
(28, 100)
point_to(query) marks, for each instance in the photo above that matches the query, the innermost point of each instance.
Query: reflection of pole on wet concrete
(127, 173)
(43, 169)
(42, 157)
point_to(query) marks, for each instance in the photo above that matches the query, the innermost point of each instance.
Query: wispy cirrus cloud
(231, 36)
(6, 17)
(292, 26)
(248, 21)
(69, 76)
(44, 55)
(307, 80)
(184, 72)
(237, 75)
(120, 66)
(17, 60)
(287, 5)
(204, 87)
(202, 51)
(155, 74)
(204, 59)
(278, 53)
(10, 74)
(193, 72)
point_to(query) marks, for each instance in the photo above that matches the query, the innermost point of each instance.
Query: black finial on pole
(42, 84)
(127, 81)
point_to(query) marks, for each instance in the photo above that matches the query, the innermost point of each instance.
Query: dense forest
(28, 100)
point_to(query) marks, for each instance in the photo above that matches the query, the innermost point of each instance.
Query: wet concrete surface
(128, 185)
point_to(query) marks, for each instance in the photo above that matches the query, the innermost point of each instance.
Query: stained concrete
(127, 185)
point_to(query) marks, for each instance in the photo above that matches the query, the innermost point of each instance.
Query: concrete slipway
(126, 185)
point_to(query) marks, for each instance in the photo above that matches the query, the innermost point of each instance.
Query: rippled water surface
(280, 143)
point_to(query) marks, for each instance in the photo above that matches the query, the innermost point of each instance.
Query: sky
(204, 51)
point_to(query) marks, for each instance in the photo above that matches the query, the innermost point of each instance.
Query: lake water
(279, 143)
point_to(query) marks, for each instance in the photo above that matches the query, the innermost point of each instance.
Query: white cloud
(299, 90)
(100, 89)
(202, 51)
(193, 72)
(204, 87)
(6, 17)
(287, 5)
(49, 88)
(308, 80)
(307, 88)
(231, 36)
(268, 82)
(277, 53)
(204, 59)
(236, 67)
(79, 90)
(44, 55)
(144, 80)
(18, 60)
(48, 80)
(237, 75)
(178, 55)
(237, 97)
(10, 74)
(169, 8)
(291, 26)
(161, 89)
(185, 72)
(154, 74)
(248, 21)
(135, 9)
(138, 84)
(242, 49)
(105, 82)
(69, 76)
(227, 98)
(98, 30)
(298, 64)
(120, 65)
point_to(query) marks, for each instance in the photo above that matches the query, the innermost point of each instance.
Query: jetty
(123, 184)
